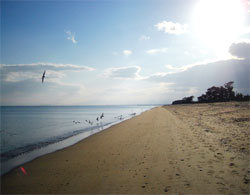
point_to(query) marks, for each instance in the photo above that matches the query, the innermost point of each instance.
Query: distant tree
(216, 94)
(230, 95)
(188, 99)
(239, 97)
(246, 98)
(185, 100)
(203, 98)
(177, 102)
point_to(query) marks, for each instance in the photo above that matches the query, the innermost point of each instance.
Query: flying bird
(102, 115)
(43, 76)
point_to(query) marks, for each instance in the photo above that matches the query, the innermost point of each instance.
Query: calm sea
(31, 131)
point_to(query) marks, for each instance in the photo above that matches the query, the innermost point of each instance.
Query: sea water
(31, 131)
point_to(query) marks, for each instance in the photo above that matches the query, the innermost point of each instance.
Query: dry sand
(200, 148)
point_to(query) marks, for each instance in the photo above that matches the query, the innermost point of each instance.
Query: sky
(110, 52)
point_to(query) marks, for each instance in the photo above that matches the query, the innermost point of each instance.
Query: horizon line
(86, 105)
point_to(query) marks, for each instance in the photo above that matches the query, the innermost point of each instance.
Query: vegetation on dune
(216, 94)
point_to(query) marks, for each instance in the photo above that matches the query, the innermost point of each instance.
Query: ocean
(28, 132)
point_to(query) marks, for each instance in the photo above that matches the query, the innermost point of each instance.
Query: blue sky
(121, 52)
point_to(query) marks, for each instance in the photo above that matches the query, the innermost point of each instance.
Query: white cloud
(52, 76)
(127, 52)
(159, 50)
(19, 72)
(128, 72)
(71, 36)
(144, 38)
(171, 28)
(44, 65)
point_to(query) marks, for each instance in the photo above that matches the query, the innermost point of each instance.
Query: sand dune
(201, 148)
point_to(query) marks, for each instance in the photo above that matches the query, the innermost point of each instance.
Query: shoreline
(168, 149)
(10, 164)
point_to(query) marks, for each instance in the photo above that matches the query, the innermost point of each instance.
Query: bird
(43, 76)
(119, 117)
(102, 116)
(97, 118)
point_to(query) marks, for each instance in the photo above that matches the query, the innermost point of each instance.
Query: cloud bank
(159, 50)
(129, 72)
(18, 72)
(21, 83)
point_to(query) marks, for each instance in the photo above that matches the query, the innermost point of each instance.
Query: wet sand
(199, 148)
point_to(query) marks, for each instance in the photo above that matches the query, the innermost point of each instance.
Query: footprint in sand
(234, 172)
(223, 190)
(166, 189)
(220, 183)
(231, 164)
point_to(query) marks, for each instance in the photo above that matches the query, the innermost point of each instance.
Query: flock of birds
(99, 119)
(88, 121)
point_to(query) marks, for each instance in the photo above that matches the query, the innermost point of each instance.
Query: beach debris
(23, 170)
(43, 76)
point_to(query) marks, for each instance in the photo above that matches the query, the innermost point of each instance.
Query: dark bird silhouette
(102, 116)
(43, 76)
(119, 117)
(97, 118)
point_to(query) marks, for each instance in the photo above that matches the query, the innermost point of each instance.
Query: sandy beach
(193, 149)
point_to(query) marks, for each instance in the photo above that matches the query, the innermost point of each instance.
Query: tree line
(216, 94)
